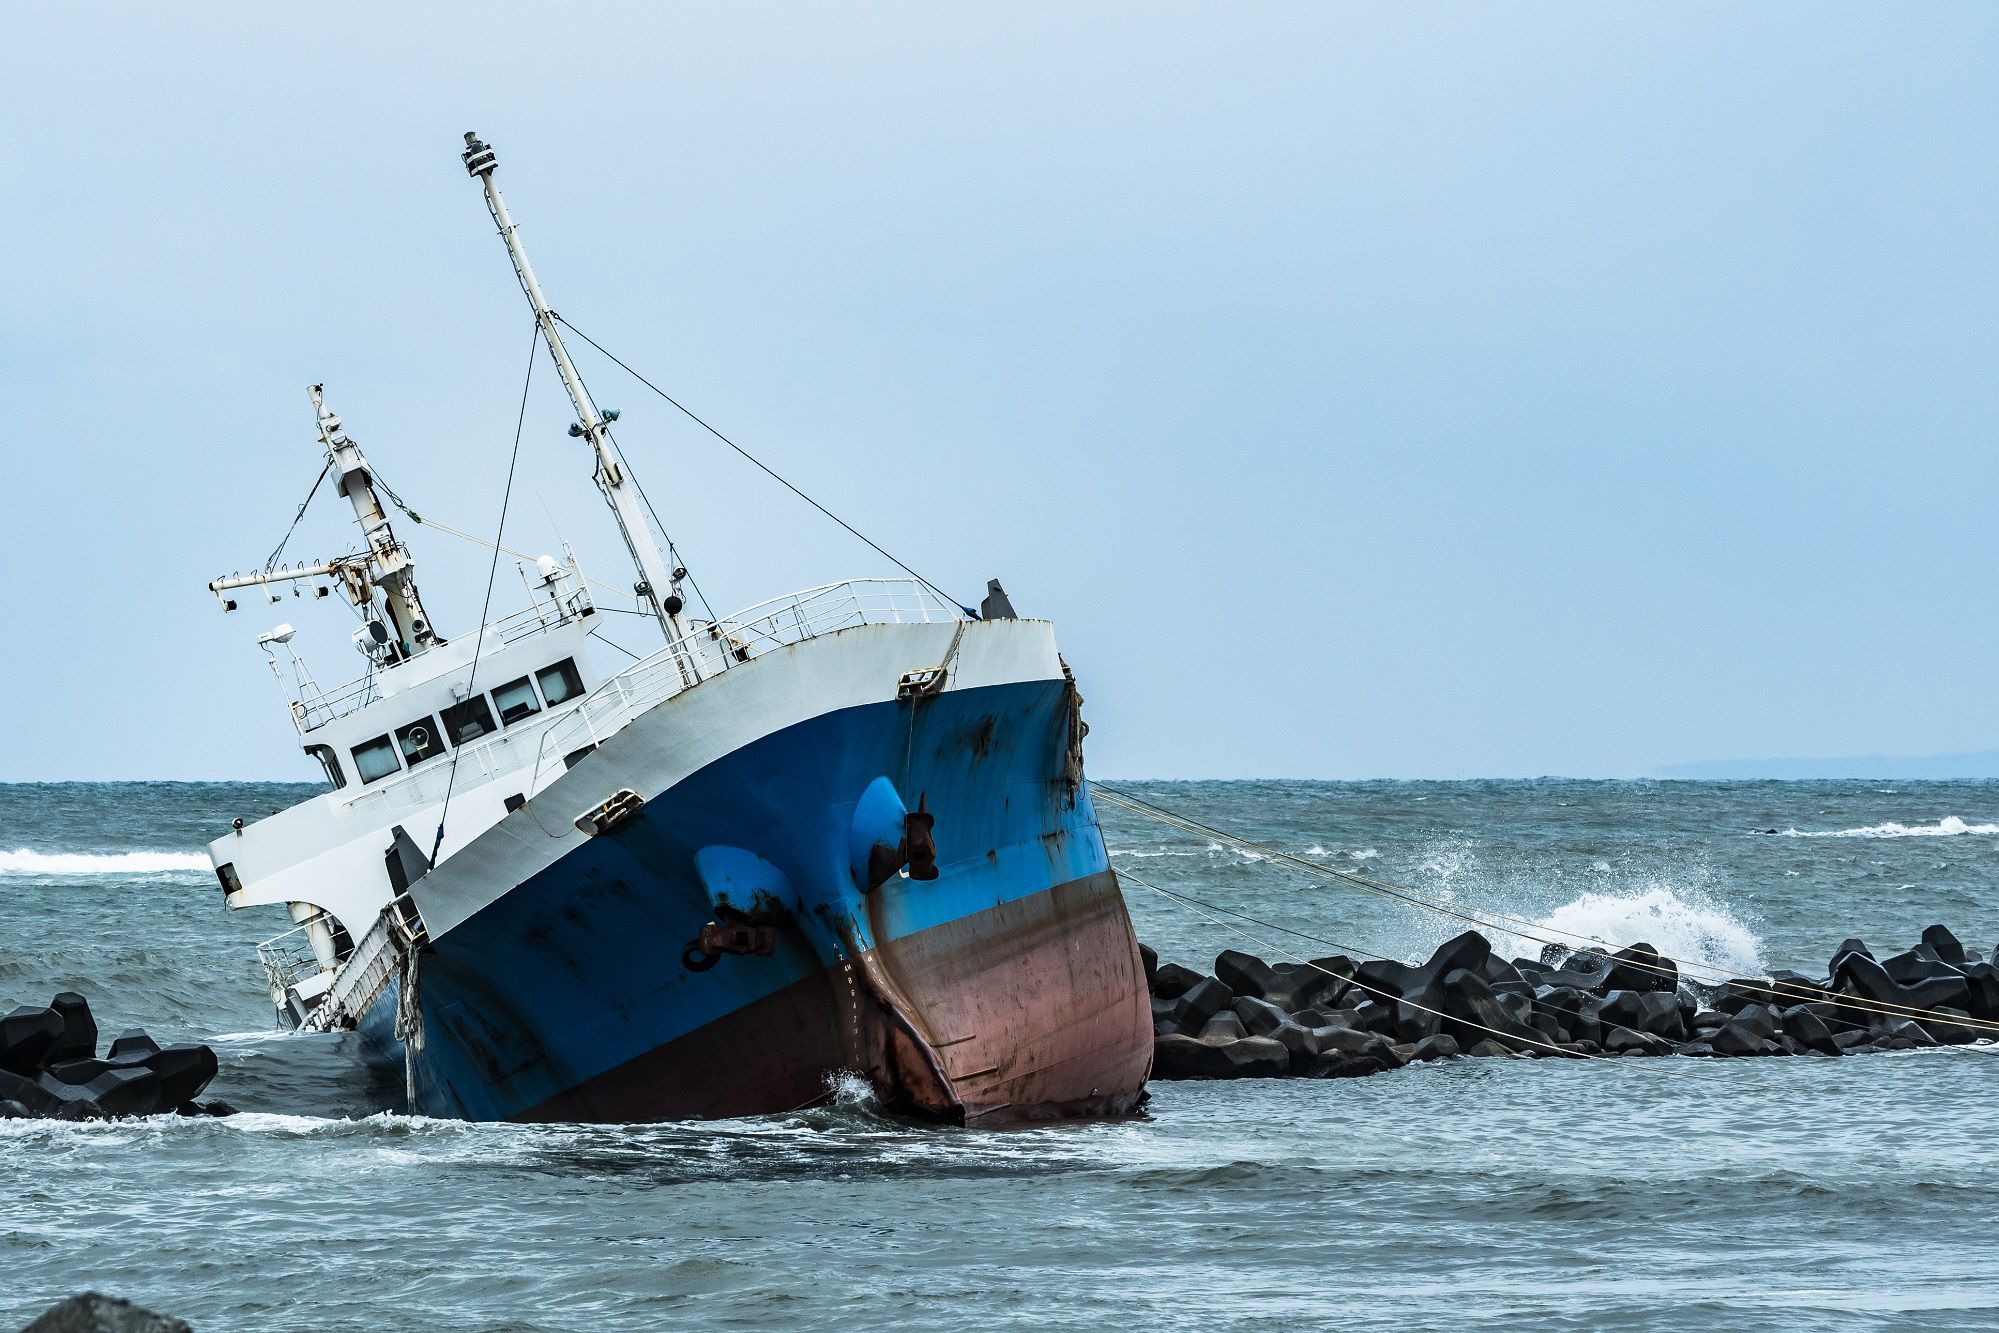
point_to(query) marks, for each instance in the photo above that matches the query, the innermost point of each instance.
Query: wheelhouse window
(419, 741)
(376, 759)
(330, 762)
(516, 700)
(559, 683)
(468, 721)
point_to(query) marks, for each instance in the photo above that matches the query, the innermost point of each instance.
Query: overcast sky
(1363, 390)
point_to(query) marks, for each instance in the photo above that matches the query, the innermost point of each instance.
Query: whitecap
(1950, 826)
(26, 862)
(1691, 929)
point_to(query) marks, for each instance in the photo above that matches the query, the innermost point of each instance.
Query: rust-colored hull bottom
(1032, 1010)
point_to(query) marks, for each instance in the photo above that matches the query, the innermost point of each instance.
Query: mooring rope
(1389, 996)
(1501, 923)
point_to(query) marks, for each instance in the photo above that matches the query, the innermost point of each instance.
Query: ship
(843, 834)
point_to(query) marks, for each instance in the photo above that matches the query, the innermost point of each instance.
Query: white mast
(394, 571)
(658, 589)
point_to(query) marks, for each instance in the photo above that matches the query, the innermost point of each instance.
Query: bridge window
(376, 759)
(330, 762)
(516, 700)
(559, 683)
(468, 721)
(420, 741)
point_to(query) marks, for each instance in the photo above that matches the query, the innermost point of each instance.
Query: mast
(658, 588)
(394, 571)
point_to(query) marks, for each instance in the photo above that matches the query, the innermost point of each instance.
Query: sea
(1804, 1193)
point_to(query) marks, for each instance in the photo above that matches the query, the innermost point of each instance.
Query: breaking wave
(1690, 930)
(1950, 826)
(25, 862)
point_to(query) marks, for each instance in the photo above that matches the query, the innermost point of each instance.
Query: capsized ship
(847, 830)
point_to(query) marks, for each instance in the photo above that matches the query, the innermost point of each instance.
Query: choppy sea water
(1785, 1193)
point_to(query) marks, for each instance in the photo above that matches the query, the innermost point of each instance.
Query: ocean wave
(25, 862)
(1950, 826)
(1690, 929)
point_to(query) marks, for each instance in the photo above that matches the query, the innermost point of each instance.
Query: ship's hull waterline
(1007, 988)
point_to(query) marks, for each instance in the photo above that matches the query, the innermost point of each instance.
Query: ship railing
(707, 649)
(289, 958)
(314, 708)
(713, 647)
(376, 960)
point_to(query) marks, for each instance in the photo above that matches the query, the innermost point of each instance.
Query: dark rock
(1862, 976)
(1488, 1047)
(1470, 950)
(14, 1111)
(1847, 946)
(1225, 1026)
(1476, 1014)
(1981, 984)
(1170, 981)
(1697, 1048)
(1809, 1030)
(1706, 1018)
(1761, 1019)
(27, 1035)
(1625, 1041)
(1734, 1039)
(28, 1093)
(1348, 1041)
(1163, 1020)
(1337, 1065)
(1652, 1011)
(1787, 988)
(1289, 986)
(1302, 1044)
(1550, 1029)
(127, 1090)
(1260, 1018)
(1415, 1023)
(92, 1313)
(79, 1030)
(1899, 1030)
(1641, 968)
(1178, 1057)
(1854, 1039)
(1440, 1047)
(1945, 945)
(1917, 965)
(1201, 1002)
(1375, 1016)
(74, 1073)
(1939, 1025)
(1148, 958)
(183, 1071)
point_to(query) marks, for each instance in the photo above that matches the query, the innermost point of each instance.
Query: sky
(1363, 390)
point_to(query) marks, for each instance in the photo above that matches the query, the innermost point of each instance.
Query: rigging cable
(280, 548)
(492, 568)
(1509, 1039)
(1525, 929)
(768, 470)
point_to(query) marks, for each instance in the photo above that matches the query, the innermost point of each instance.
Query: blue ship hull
(1007, 987)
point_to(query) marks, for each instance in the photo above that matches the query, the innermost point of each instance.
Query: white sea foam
(1950, 826)
(25, 862)
(1689, 929)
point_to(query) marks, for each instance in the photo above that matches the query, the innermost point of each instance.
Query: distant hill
(1978, 764)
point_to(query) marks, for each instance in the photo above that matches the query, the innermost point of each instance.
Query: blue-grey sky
(1365, 390)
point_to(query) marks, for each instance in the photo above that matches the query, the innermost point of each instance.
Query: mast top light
(479, 159)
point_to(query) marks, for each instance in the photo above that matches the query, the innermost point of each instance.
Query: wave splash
(25, 862)
(1950, 826)
(1691, 930)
